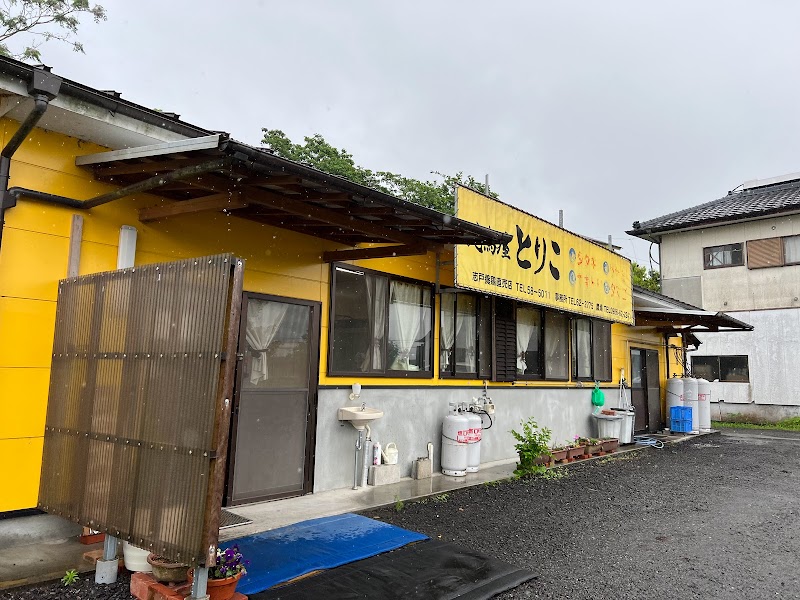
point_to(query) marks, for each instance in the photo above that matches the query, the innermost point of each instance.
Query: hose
(646, 440)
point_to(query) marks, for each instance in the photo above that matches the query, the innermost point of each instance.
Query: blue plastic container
(680, 419)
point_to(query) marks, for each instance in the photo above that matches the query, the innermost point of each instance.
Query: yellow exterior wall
(34, 257)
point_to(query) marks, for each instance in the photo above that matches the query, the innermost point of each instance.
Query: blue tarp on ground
(288, 552)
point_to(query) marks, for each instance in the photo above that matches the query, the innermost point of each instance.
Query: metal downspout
(43, 87)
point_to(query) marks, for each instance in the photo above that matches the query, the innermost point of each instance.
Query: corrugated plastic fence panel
(136, 374)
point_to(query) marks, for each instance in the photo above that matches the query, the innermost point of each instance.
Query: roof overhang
(214, 173)
(654, 234)
(680, 320)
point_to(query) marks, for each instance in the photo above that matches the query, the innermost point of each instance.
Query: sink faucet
(363, 406)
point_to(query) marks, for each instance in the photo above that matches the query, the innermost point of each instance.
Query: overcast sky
(613, 111)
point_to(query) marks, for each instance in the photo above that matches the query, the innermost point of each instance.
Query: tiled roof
(754, 202)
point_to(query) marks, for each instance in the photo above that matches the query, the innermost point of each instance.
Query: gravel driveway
(712, 518)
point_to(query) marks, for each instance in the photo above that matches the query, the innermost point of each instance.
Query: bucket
(390, 454)
(608, 426)
(135, 558)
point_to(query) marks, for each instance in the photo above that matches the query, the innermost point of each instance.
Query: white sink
(359, 417)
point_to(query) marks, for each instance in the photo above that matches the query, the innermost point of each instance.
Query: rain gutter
(42, 87)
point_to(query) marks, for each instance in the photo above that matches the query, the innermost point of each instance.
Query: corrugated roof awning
(680, 319)
(214, 173)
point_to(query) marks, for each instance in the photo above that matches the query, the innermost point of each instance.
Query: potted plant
(532, 447)
(166, 570)
(575, 449)
(592, 446)
(559, 453)
(610, 444)
(223, 577)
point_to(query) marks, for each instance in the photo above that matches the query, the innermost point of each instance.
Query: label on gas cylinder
(469, 436)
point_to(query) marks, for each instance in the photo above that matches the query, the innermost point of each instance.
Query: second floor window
(729, 255)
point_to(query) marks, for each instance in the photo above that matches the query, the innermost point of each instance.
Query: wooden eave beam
(146, 167)
(279, 180)
(298, 207)
(223, 201)
(367, 253)
(152, 183)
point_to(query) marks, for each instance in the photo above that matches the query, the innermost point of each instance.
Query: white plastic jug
(390, 454)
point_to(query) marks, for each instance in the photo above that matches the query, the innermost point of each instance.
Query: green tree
(316, 152)
(649, 279)
(40, 21)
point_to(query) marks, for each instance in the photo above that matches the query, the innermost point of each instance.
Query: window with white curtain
(529, 341)
(582, 348)
(591, 349)
(380, 324)
(791, 250)
(556, 345)
(464, 335)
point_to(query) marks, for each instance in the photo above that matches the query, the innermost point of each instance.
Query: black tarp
(431, 570)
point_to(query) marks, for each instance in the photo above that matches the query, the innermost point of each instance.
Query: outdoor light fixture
(356, 391)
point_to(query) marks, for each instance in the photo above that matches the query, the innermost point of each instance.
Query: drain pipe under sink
(367, 455)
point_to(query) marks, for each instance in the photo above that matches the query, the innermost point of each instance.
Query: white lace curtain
(376, 308)
(405, 319)
(555, 346)
(466, 325)
(583, 346)
(528, 323)
(263, 321)
(791, 247)
(447, 330)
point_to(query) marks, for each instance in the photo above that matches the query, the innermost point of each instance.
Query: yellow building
(342, 285)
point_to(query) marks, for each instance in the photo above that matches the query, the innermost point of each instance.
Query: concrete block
(106, 571)
(383, 474)
(421, 468)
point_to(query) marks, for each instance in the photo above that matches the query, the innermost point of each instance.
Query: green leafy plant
(35, 22)
(532, 443)
(560, 473)
(441, 498)
(399, 505)
(317, 152)
(737, 421)
(70, 577)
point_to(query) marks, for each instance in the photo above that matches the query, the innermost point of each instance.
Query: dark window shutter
(505, 341)
(765, 253)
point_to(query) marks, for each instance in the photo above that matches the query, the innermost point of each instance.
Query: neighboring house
(102, 184)
(740, 254)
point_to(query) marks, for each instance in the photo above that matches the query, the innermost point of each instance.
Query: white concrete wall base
(757, 413)
(413, 418)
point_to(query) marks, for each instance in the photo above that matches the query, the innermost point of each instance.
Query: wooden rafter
(278, 180)
(152, 183)
(298, 207)
(223, 201)
(367, 253)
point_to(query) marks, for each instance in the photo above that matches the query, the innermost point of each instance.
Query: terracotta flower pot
(559, 455)
(543, 459)
(575, 452)
(592, 449)
(220, 589)
(610, 445)
(166, 571)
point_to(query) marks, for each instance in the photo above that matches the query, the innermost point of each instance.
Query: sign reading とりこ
(543, 264)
